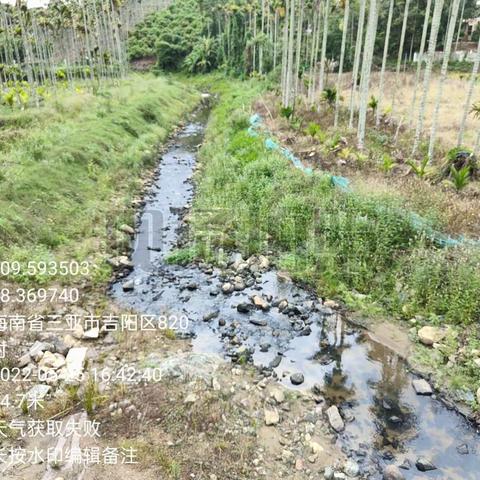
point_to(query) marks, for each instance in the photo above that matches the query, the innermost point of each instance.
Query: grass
(70, 169)
(251, 199)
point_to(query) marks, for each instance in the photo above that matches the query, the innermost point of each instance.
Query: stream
(385, 420)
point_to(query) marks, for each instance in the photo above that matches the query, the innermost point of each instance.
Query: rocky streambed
(388, 423)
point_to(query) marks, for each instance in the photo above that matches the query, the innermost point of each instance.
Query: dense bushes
(174, 35)
(339, 242)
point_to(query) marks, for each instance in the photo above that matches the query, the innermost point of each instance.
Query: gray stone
(422, 387)
(297, 378)
(91, 334)
(260, 302)
(211, 315)
(227, 288)
(24, 360)
(351, 469)
(74, 363)
(463, 449)
(283, 305)
(334, 418)
(128, 286)
(423, 464)
(391, 472)
(37, 349)
(259, 322)
(271, 417)
(328, 473)
(38, 392)
(127, 229)
(244, 307)
(430, 335)
(278, 395)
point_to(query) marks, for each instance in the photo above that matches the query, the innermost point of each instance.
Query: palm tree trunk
(400, 54)
(342, 58)
(290, 52)
(468, 101)
(432, 44)
(299, 46)
(324, 46)
(356, 60)
(384, 62)
(420, 60)
(443, 75)
(366, 70)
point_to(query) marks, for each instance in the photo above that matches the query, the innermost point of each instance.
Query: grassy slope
(359, 246)
(69, 169)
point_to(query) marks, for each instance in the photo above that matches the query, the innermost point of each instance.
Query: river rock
(430, 335)
(227, 288)
(24, 360)
(190, 398)
(52, 360)
(91, 334)
(283, 305)
(283, 277)
(335, 420)
(78, 331)
(275, 362)
(463, 449)
(278, 395)
(263, 262)
(271, 417)
(239, 284)
(264, 347)
(121, 261)
(297, 378)
(127, 229)
(391, 472)
(74, 363)
(331, 304)
(351, 469)
(259, 322)
(244, 307)
(260, 302)
(315, 447)
(37, 349)
(424, 464)
(211, 315)
(422, 387)
(38, 392)
(328, 473)
(128, 286)
(60, 346)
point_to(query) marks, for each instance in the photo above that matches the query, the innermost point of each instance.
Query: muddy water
(386, 422)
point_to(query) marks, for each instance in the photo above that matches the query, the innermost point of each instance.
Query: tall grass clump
(70, 168)
(252, 199)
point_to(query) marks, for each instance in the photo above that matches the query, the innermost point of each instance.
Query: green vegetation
(70, 169)
(170, 35)
(339, 242)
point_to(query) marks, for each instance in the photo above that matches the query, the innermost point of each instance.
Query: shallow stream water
(386, 421)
